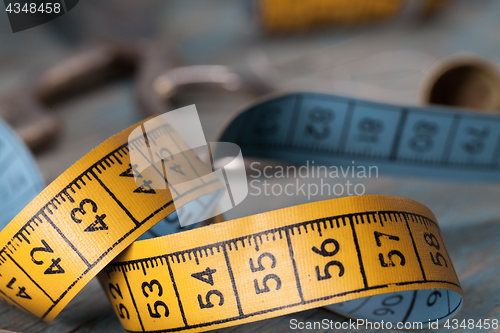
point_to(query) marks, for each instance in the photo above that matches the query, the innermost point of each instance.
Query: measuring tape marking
(84, 259)
(394, 123)
(139, 264)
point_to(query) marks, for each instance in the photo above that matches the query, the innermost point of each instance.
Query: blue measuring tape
(20, 179)
(433, 141)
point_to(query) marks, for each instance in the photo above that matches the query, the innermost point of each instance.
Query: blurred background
(381, 50)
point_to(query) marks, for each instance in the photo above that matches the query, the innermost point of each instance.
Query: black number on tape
(423, 140)
(437, 260)
(145, 187)
(382, 311)
(54, 267)
(269, 121)
(131, 172)
(379, 234)
(206, 276)
(387, 302)
(157, 304)
(11, 282)
(22, 293)
(266, 288)
(431, 240)
(119, 307)
(146, 184)
(476, 144)
(208, 273)
(98, 224)
(156, 313)
(261, 267)
(22, 290)
(370, 129)
(207, 299)
(117, 289)
(163, 156)
(433, 297)
(172, 218)
(320, 119)
(390, 262)
(150, 287)
(323, 252)
(177, 168)
(327, 273)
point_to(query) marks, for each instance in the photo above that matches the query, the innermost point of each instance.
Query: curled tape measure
(289, 260)
(375, 257)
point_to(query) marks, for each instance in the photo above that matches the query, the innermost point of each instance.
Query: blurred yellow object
(295, 15)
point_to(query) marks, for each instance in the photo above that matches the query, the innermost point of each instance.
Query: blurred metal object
(289, 15)
(463, 80)
(27, 108)
(156, 87)
(158, 83)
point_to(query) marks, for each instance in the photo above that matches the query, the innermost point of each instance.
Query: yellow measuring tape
(384, 255)
(282, 261)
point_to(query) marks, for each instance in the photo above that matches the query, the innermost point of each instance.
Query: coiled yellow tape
(80, 222)
(384, 255)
